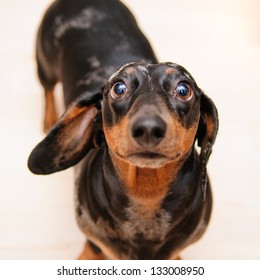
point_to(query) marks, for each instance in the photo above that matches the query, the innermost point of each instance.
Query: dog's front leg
(91, 252)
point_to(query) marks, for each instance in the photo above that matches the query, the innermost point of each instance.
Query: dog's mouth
(148, 155)
(148, 159)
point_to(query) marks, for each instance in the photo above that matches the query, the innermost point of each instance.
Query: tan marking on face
(169, 71)
(130, 70)
(179, 138)
(177, 141)
(140, 182)
(118, 138)
(150, 183)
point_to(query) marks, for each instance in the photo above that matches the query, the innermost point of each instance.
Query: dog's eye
(118, 90)
(183, 91)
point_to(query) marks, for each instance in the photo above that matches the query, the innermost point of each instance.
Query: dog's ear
(206, 135)
(70, 139)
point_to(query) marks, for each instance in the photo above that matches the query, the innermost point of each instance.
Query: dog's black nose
(148, 130)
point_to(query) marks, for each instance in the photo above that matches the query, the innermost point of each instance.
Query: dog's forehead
(131, 69)
(173, 68)
(134, 68)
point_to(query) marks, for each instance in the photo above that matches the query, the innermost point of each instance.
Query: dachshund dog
(142, 190)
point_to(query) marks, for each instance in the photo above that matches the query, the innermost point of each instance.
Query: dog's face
(151, 113)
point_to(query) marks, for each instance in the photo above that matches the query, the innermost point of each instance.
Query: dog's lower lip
(149, 155)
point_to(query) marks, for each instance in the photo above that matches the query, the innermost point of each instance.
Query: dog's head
(149, 115)
(152, 114)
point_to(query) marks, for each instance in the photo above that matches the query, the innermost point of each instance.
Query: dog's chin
(148, 160)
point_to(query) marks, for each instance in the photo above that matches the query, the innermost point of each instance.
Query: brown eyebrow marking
(169, 71)
(130, 70)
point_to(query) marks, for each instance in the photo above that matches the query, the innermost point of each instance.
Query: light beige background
(219, 43)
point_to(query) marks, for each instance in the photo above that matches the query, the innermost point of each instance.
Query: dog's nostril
(158, 133)
(148, 130)
(139, 132)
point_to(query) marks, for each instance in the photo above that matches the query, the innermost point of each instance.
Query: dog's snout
(148, 130)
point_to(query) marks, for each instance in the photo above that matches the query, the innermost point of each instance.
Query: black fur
(82, 43)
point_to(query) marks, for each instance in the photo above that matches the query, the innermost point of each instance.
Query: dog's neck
(148, 186)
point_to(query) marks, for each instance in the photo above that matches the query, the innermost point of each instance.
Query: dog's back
(142, 190)
(82, 42)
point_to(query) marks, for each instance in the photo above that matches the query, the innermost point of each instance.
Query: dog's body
(141, 185)
(81, 43)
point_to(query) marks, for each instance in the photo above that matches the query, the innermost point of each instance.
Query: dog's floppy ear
(70, 139)
(206, 135)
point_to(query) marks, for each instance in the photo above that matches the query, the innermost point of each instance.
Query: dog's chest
(142, 234)
(142, 223)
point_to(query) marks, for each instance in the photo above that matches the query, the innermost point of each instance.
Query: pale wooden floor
(219, 43)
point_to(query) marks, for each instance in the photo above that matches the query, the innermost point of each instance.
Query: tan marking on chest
(146, 186)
